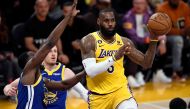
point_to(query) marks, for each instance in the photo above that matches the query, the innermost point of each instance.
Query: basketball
(159, 24)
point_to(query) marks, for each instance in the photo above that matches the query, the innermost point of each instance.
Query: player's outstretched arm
(39, 56)
(145, 60)
(66, 84)
(79, 88)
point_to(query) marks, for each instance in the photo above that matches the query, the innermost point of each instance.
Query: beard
(107, 33)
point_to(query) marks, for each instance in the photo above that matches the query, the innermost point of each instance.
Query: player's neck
(50, 66)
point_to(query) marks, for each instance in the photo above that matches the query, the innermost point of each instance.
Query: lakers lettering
(105, 53)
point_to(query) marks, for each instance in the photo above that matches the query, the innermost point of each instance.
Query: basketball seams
(159, 23)
(156, 29)
(166, 19)
(153, 21)
(169, 22)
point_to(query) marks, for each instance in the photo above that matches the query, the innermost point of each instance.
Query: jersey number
(110, 69)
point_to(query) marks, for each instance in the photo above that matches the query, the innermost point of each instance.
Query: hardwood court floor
(151, 96)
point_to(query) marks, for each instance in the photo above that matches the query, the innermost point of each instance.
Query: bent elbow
(90, 73)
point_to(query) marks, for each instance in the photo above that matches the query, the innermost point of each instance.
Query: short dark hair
(107, 10)
(177, 103)
(68, 3)
(24, 58)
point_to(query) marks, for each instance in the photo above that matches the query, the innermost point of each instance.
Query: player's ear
(98, 21)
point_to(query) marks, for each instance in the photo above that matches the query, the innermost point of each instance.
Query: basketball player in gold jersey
(103, 52)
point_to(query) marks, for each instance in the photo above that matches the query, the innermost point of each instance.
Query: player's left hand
(63, 58)
(155, 37)
(162, 37)
(121, 51)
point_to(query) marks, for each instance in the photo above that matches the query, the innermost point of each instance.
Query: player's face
(67, 10)
(107, 24)
(42, 8)
(51, 58)
(139, 6)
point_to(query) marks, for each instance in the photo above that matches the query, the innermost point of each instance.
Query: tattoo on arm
(88, 47)
(145, 60)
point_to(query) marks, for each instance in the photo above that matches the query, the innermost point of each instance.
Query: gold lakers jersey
(114, 78)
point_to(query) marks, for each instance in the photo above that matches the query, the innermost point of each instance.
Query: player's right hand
(128, 48)
(120, 52)
(10, 91)
(74, 10)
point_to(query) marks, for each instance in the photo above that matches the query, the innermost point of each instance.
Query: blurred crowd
(25, 25)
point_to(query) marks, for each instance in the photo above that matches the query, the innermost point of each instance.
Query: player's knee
(128, 104)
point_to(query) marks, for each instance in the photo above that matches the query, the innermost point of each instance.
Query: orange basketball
(159, 24)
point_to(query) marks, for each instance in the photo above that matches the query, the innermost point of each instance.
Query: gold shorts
(109, 101)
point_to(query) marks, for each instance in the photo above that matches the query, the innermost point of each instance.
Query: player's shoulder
(68, 73)
(88, 42)
(124, 38)
(88, 38)
(67, 69)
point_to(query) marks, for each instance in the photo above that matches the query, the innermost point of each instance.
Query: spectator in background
(179, 14)
(122, 6)
(8, 62)
(71, 38)
(90, 3)
(188, 2)
(38, 27)
(90, 18)
(154, 3)
(177, 103)
(20, 10)
(159, 63)
(55, 11)
(134, 24)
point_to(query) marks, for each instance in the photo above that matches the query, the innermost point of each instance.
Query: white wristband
(81, 90)
(92, 68)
